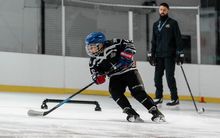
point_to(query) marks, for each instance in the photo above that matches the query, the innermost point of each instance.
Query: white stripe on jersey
(107, 51)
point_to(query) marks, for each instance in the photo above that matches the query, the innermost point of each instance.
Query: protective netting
(83, 17)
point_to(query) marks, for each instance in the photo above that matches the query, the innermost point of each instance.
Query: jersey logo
(113, 54)
(167, 26)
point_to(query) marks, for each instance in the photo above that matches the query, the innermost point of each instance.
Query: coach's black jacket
(167, 42)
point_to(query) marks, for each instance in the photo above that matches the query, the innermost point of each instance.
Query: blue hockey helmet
(94, 43)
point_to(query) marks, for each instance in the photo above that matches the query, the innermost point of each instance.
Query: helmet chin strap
(101, 49)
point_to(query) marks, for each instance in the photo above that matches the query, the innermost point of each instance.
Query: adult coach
(166, 50)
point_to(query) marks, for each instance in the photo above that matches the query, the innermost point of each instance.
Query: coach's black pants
(167, 64)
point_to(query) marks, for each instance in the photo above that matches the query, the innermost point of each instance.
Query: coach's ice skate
(173, 102)
(157, 115)
(133, 116)
(158, 101)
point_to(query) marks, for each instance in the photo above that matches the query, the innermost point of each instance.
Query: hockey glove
(125, 60)
(151, 59)
(99, 79)
(179, 58)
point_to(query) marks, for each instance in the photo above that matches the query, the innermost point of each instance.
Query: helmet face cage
(94, 50)
(94, 43)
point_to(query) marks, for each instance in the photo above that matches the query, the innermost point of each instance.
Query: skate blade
(135, 120)
(159, 120)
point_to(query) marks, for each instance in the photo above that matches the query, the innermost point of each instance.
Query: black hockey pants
(132, 80)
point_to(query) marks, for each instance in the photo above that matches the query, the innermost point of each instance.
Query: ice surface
(81, 121)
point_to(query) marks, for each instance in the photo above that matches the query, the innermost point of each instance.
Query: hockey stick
(38, 113)
(197, 110)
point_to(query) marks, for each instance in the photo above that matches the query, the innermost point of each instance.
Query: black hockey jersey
(108, 60)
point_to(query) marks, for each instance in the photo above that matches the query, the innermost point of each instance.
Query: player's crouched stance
(114, 58)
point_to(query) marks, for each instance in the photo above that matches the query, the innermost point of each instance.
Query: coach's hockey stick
(38, 113)
(197, 110)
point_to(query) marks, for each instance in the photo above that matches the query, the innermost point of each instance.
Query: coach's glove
(125, 60)
(151, 59)
(179, 58)
(98, 79)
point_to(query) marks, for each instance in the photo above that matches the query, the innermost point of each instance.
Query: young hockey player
(114, 58)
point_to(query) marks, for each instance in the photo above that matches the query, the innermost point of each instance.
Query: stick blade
(35, 113)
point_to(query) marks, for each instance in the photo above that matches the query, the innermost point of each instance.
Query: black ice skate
(158, 101)
(157, 115)
(173, 102)
(133, 116)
